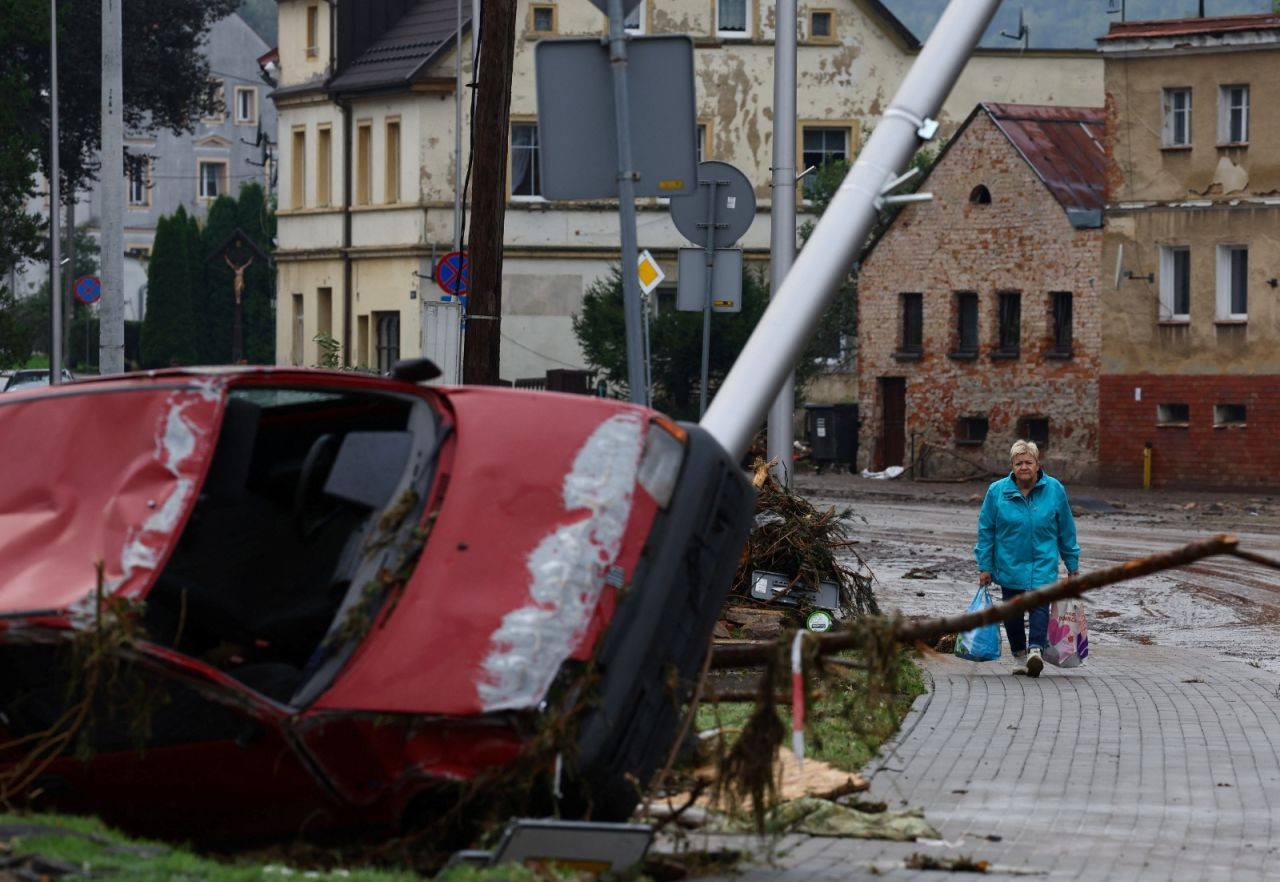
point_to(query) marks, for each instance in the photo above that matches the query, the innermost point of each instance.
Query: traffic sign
(726, 280)
(453, 273)
(733, 205)
(88, 289)
(651, 275)
(577, 117)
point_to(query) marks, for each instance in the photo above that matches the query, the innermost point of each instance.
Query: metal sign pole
(627, 206)
(797, 306)
(55, 254)
(782, 245)
(710, 250)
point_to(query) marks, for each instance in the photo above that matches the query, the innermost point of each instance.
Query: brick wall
(1021, 241)
(1198, 454)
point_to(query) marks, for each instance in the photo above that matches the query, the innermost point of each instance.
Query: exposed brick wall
(1197, 455)
(1021, 242)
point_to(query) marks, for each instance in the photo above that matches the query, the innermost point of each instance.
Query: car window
(298, 480)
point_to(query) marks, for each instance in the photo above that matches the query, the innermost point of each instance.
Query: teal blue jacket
(1021, 538)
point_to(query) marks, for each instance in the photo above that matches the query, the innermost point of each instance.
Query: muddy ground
(918, 540)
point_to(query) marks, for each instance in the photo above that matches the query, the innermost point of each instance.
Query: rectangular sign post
(579, 160)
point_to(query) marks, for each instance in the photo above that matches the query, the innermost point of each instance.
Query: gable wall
(1020, 242)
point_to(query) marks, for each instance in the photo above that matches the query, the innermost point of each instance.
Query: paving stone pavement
(1148, 763)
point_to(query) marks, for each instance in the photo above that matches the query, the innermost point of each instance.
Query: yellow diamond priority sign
(651, 275)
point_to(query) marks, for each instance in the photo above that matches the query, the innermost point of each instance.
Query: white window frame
(1229, 104)
(846, 155)
(1225, 288)
(536, 148)
(143, 167)
(1171, 114)
(748, 23)
(640, 16)
(1168, 283)
(223, 181)
(251, 117)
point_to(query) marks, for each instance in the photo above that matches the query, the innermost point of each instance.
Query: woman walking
(1024, 527)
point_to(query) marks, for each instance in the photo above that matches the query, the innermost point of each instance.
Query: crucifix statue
(239, 253)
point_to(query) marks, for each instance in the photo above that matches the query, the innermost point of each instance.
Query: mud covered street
(918, 540)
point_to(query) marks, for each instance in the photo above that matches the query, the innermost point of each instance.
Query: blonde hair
(1020, 447)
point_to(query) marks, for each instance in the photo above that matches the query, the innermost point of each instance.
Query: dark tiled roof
(396, 58)
(1185, 27)
(1064, 147)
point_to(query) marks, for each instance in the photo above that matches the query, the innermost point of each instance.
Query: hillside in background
(1054, 24)
(261, 16)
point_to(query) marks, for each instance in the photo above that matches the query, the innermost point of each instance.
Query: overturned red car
(345, 593)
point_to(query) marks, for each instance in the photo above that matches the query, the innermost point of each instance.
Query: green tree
(18, 329)
(166, 86)
(675, 341)
(21, 234)
(218, 306)
(257, 218)
(171, 332)
(832, 346)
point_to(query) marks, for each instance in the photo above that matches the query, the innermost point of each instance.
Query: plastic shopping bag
(980, 644)
(1068, 644)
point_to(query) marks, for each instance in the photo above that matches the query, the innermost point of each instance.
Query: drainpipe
(347, 297)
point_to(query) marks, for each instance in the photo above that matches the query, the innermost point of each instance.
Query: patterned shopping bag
(1068, 635)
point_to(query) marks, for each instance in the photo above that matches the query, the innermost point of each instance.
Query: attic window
(980, 195)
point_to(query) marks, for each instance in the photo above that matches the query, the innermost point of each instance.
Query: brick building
(1190, 361)
(978, 317)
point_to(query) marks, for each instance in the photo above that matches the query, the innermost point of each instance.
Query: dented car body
(347, 593)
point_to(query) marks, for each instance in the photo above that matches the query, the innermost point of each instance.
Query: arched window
(980, 195)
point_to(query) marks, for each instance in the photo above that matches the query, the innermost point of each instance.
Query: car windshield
(279, 540)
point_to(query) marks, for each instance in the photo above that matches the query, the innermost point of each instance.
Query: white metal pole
(632, 319)
(111, 186)
(782, 233)
(55, 266)
(794, 311)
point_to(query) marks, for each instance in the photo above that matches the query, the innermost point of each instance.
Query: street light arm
(786, 326)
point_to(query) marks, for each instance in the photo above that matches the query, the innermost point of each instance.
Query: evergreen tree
(257, 219)
(219, 302)
(169, 331)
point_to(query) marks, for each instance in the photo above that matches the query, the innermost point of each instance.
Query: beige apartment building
(368, 169)
(1190, 314)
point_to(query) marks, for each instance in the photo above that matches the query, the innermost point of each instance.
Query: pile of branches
(792, 537)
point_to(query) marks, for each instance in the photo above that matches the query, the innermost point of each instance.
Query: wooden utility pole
(489, 126)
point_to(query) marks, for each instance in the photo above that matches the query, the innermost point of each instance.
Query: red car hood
(91, 474)
(540, 523)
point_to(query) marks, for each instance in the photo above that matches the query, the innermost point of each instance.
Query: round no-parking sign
(88, 289)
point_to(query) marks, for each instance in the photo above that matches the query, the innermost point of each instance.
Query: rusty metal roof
(1063, 145)
(1130, 30)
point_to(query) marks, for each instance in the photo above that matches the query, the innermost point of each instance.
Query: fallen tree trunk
(928, 631)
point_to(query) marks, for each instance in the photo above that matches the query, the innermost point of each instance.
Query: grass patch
(847, 725)
(99, 850)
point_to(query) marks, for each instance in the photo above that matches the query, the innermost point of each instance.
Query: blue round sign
(88, 289)
(453, 273)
